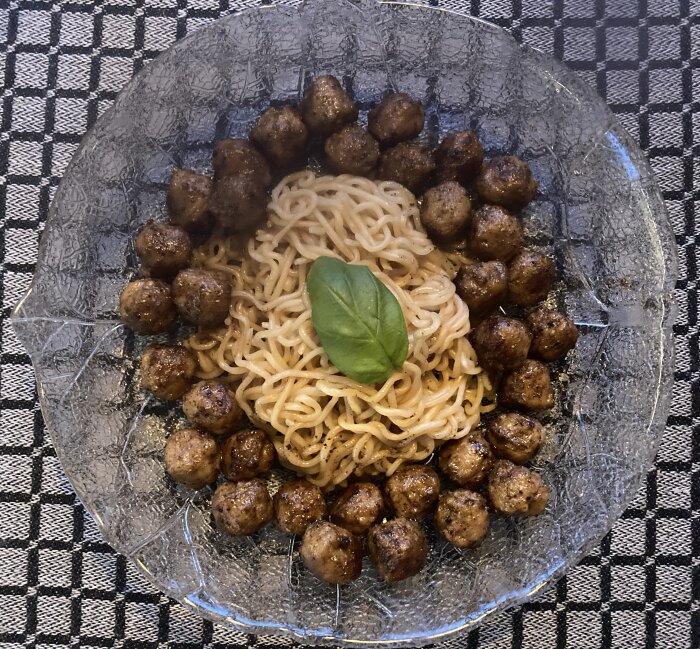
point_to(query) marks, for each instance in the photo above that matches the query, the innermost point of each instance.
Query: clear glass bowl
(598, 208)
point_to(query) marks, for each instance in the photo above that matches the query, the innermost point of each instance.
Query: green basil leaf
(358, 319)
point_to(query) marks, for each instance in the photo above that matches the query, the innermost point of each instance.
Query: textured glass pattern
(598, 208)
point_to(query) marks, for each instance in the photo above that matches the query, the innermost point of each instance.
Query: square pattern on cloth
(62, 65)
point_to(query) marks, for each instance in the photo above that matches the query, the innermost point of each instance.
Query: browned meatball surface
(192, 457)
(506, 181)
(412, 491)
(398, 549)
(446, 212)
(494, 233)
(500, 343)
(167, 370)
(212, 405)
(466, 461)
(188, 200)
(352, 150)
(530, 276)
(553, 334)
(163, 249)
(326, 107)
(408, 163)
(516, 490)
(459, 157)
(297, 504)
(395, 118)
(241, 508)
(528, 387)
(358, 507)
(247, 454)
(281, 135)
(147, 307)
(462, 518)
(238, 157)
(331, 553)
(482, 286)
(202, 296)
(238, 203)
(515, 437)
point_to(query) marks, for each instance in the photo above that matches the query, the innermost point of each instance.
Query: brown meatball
(527, 387)
(352, 150)
(514, 490)
(462, 518)
(506, 181)
(515, 437)
(553, 334)
(188, 200)
(326, 107)
(412, 491)
(482, 286)
(241, 508)
(238, 157)
(446, 212)
(494, 233)
(500, 343)
(530, 276)
(358, 507)
(398, 549)
(408, 163)
(281, 135)
(466, 461)
(247, 454)
(238, 203)
(331, 553)
(192, 457)
(163, 249)
(167, 370)
(297, 504)
(212, 405)
(202, 296)
(395, 118)
(459, 157)
(147, 307)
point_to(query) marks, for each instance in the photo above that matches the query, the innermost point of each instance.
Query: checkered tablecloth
(62, 64)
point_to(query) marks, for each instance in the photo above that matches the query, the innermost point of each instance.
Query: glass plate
(598, 209)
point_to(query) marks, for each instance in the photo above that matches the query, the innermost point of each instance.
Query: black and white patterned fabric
(62, 63)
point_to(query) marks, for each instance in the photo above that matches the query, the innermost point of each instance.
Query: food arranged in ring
(357, 326)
